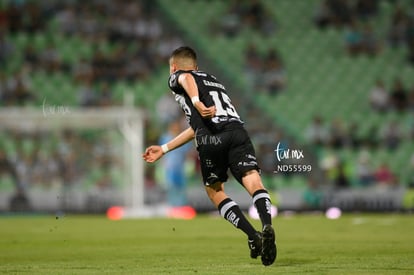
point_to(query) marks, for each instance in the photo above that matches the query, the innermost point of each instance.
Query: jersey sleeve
(173, 83)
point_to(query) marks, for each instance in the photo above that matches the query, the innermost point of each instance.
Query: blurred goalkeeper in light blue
(174, 167)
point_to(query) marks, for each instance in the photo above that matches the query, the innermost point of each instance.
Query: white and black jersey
(222, 142)
(211, 92)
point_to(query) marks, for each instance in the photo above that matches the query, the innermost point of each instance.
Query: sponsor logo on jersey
(250, 163)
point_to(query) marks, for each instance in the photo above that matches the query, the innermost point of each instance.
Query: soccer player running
(222, 143)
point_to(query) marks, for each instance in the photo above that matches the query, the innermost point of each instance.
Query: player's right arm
(187, 81)
(155, 152)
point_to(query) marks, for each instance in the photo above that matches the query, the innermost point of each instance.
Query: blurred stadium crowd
(277, 53)
(121, 40)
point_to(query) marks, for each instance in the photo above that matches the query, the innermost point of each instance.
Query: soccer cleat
(269, 250)
(255, 245)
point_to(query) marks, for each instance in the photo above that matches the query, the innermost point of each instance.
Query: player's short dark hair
(184, 52)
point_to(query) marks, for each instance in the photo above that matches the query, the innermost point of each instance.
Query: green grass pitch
(307, 244)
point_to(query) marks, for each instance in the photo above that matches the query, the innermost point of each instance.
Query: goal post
(122, 129)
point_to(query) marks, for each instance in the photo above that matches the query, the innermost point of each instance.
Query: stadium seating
(322, 79)
(60, 88)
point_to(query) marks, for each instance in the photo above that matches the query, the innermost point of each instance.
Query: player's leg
(245, 169)
(253, 184)
(214, 165)
(229, 209)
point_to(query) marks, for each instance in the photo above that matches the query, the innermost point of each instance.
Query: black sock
(261, 200)
(231, 212)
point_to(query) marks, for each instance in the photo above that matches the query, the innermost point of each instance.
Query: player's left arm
(187, 81)
(155, 152)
